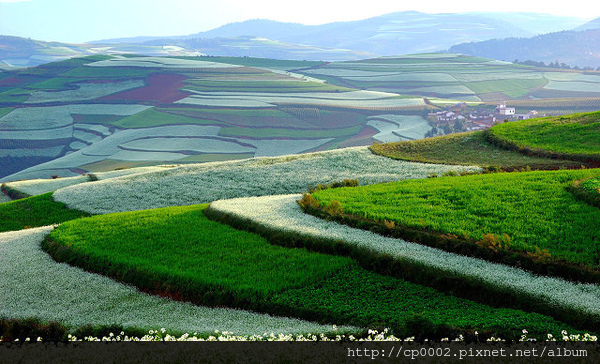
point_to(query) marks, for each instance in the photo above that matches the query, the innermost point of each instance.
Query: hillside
(385, 35)
(405, 284)
(103, 112)
(562, 142)
(98, 113)
(574, 48)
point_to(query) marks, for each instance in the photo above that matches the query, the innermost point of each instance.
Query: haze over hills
(574, 48)
(389, 34)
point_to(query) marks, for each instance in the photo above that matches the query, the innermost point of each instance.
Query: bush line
(508, 144)
(592, 198)
(491, 248)
(453, 283)
(200, 294)
(13, 193)
(33, 328)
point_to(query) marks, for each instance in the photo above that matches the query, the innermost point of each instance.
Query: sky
(78, 21)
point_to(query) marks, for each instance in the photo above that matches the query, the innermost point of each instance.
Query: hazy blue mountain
(575, 48)
(24, 52)
(390, 34)
(594, 24)
(536, 23)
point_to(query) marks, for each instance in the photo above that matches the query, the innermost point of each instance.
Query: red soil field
(160, 87)
(19, 80)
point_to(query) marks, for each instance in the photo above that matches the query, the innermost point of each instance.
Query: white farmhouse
(501, 109)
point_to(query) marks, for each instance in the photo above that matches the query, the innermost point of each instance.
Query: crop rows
(85, 91)
(203, 183)
(77, 298)
(244, 270)
(482, 280)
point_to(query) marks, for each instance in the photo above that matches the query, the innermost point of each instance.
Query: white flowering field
(398, 127)
(29, 152)
(283, 213)
(100, 129)
(573, 86)
(107, 109)
(354, 99)
(201, 145)
(34, 118)
(85, 91)
(158, 62)
(85, 136)
(202, 183)
(34, 285)
(38, 186)
(64, 132)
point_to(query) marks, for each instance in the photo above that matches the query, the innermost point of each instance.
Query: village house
(475, 119)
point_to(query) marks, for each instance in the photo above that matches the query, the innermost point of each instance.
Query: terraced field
(263, 107)
(404, 284)
(432, 257)
(459, 77)
(245, 108)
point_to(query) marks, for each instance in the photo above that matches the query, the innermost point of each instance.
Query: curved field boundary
(206, 182)
(587, 190)
(34, 285)
(573, 137)
(281, 219)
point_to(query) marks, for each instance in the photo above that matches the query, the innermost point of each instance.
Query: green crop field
(216, 264)
(287, 133)
(543, 214)
(152, 117)
(262, 86)
(465, 148)
(4, 111)
(488, 80)
(35, 211)
(572, 136)
(208, 256)
(56, 83)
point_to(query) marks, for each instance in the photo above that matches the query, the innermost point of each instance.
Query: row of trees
(556, 64)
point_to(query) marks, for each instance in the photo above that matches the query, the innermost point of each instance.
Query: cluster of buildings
(461, 117)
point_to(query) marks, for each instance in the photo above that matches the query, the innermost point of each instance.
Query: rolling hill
(386, 35)
(405, 284)
(102, 112)
(574, 48)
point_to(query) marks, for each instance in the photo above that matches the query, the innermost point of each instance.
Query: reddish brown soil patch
(160, 87)
(19, 80)
(364, 137)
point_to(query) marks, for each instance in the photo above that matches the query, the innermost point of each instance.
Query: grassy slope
(151, 117)
(179, 246)
(35, 211)
(571, 136)
(217, 264)
(465, 148)
(534, 209)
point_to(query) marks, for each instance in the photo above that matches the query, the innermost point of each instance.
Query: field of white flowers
(283, 213)
(369, 99)
(158, 62)
(34, 118)
(202, 183)
(39, 186)
(85, 91)
(34, 285)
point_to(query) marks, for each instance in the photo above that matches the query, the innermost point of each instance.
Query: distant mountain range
(574, 48)
(484, 34)
(390, 34)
